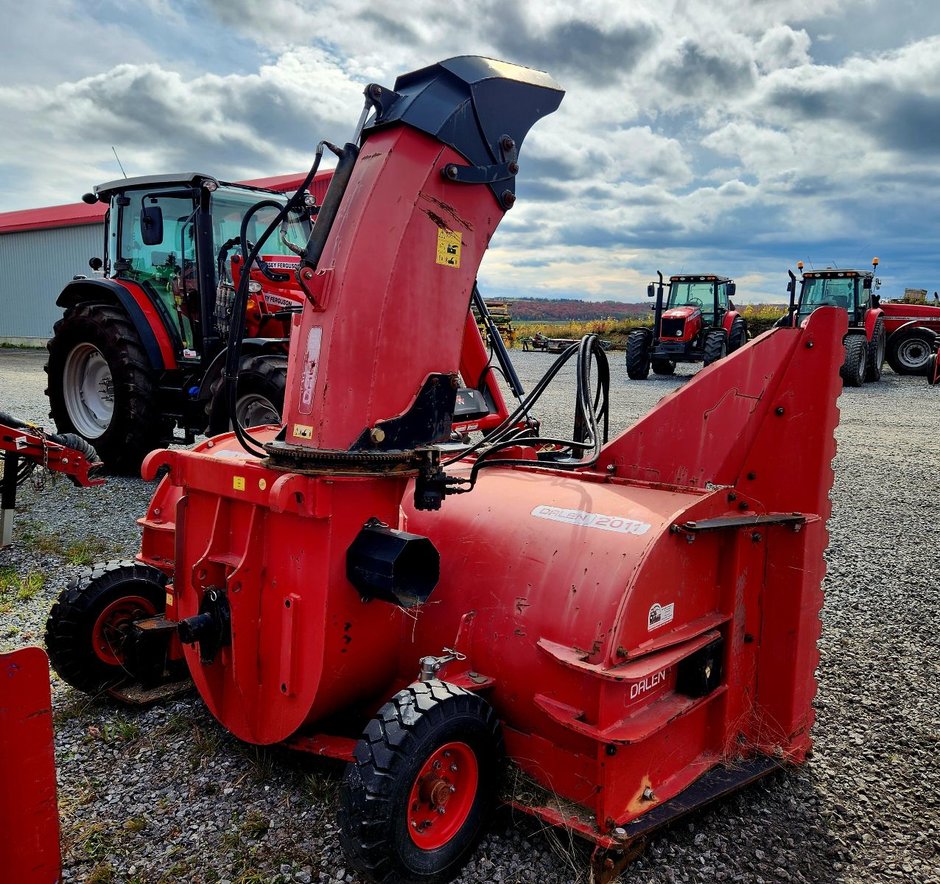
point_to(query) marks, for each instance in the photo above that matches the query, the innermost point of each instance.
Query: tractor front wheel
(909, 351)
(638, 354)
(89, 625)
(259, 400)
(737, 337)
(416, 799)
(715, 347)
(101, 386)
(856, 356)
(875, 359)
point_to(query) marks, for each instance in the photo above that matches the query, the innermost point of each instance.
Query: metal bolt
(453, 788)
(620, 832)
(377, 435)
(441, 810)
(506, 143)
(437, 765)
(756, 537)
(611, 468)
(648, 792)
(453, 767)
(451, 172)
(779, 410)
(809, 345)
(513, 168)
(508, 198)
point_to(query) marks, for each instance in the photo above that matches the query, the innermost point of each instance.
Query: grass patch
(16, 587)
(87, 551)
(121, 730)
(255, 825)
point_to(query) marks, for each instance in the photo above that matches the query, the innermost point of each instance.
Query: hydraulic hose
(590, 426)
(233, 353)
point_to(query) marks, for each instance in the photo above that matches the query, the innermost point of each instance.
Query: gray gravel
(165, 794)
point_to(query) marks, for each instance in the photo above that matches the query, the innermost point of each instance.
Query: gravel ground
(165, 795)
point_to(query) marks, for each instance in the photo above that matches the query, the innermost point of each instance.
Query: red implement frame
(29, 818)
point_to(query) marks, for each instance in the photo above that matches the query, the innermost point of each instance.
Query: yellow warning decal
(302, 431)
(169, 599)
(238, 483)
(448, 247)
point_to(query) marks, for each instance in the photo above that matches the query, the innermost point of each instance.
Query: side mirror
(732, 288)
(95, 263)
(651, 290)
(151, 225)
(866, 283)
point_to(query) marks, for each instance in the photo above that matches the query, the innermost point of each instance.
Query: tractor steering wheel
(695, 302)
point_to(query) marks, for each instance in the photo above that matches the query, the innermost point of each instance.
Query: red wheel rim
(442, 795)
(113, 624)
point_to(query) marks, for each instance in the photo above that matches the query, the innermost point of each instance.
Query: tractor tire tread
(878, 343)
(715, 346)
(638, 354)
(853, 367)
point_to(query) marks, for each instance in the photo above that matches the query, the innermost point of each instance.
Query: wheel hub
(442, 795)
(88, 390)
(113, 625)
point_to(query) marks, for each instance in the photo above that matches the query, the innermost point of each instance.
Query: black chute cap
(469, 103)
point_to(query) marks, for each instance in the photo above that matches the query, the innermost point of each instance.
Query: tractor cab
(709, 294)
(174, 237)
(852, 290)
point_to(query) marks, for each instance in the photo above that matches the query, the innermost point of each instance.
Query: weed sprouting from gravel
(16, 587)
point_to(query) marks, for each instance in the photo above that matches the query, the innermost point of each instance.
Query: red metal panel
(29, 818)
(392, 310)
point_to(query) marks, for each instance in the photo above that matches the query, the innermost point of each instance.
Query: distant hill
(572, 310)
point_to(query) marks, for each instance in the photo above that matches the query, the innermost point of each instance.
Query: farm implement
(25, 446)
(631, 624)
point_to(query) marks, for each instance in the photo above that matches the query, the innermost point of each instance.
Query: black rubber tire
(933, 375)
(262, 376)
(715, 346)
(135, 425)
(638, 354)
(856, 356)
(908, 351)
(663, 366)
(374, 796)
(875, 358)
(70, 625)
(737, 337)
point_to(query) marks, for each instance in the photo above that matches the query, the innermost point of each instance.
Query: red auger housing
(633, 624)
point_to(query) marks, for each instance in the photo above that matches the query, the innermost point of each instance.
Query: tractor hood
(686, 312)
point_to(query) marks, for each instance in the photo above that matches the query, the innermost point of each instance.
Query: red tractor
(140, 349)
(632, 623)
(852, 291)
(698, 323)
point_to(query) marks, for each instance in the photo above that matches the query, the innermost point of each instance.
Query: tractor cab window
(229, 207)
(693, 294)
(161, 258)
(827, 291)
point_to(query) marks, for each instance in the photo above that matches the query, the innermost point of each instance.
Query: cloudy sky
(724, 136)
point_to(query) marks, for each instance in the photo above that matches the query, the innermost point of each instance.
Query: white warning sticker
(660, 615)
(584, 519)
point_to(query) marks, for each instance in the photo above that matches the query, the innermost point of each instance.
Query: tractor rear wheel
(737, 337)
(663, 366)
(715, 347)
(89, 625)
(101, 386)
(909, 350)
(856, 355)
(875, 359)
(416, 799)
(638, 354)
(262, 380)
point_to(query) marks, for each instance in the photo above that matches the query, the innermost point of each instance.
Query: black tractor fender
(249, 346)
(111, 292)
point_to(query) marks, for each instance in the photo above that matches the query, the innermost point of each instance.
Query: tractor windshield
(691, 294)
(229, 206)
(827, 291)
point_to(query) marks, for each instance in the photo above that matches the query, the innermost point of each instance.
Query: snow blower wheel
(88, 627)
(414, 802)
